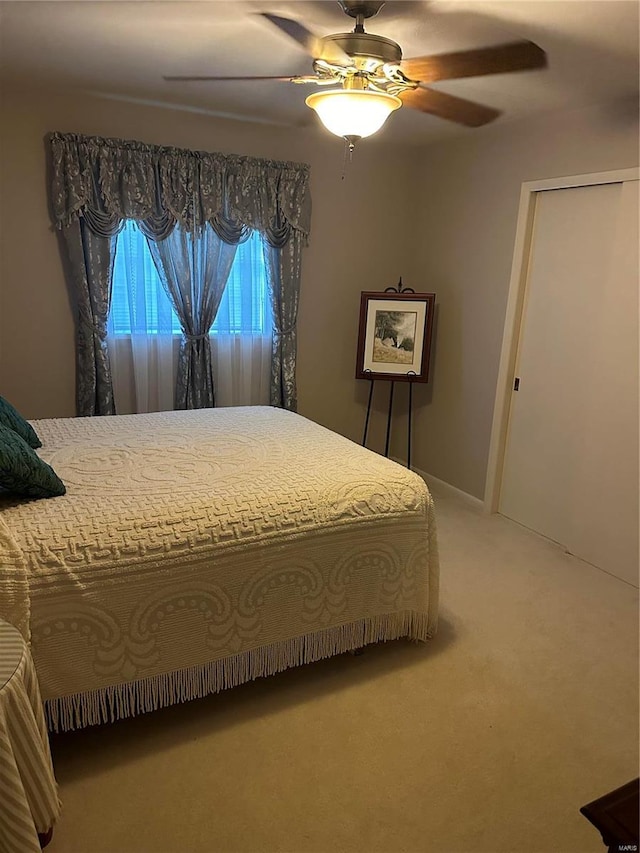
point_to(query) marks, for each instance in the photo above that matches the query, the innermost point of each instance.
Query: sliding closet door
(571, 464)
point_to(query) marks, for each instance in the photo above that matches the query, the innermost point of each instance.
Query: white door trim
(513, 318)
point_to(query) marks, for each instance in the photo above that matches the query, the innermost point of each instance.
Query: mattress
(197, 550)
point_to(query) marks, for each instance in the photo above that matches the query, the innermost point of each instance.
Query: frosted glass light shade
(350, 112)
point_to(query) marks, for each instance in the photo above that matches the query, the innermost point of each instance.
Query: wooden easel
(408, 377)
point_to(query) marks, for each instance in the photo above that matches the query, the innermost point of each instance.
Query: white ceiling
(123, 48)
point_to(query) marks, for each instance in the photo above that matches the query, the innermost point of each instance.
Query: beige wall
(468, 195)
(354, 245)
(443, 217)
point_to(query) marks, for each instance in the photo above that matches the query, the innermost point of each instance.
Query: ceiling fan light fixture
(352, 112)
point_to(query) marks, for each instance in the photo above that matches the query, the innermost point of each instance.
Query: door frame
(514, 314)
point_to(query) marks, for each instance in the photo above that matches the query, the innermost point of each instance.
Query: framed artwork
(394, 339)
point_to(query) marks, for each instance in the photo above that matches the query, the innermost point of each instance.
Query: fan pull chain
(347, 154)
(349, 145)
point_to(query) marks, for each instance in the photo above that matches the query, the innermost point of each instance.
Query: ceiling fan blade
(315, 46)
(515, 56)
(290, 79)
(448, 106)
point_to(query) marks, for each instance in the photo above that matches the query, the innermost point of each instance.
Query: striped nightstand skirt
(29, 803)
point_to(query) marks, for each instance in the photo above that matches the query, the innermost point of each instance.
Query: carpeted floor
(486, 740)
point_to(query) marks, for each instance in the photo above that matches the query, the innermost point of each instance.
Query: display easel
(389, 413)
(406, 378)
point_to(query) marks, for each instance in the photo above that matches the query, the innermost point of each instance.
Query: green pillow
(22, 472)
(11, 417)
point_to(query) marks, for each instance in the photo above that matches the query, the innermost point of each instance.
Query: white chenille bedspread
(196, 550)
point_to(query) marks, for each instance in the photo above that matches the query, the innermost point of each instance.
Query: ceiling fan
(374, 79)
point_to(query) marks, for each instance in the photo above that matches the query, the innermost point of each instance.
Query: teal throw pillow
(11, 417)
(22, 472)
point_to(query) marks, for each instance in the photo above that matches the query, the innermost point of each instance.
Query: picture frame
(394, 336)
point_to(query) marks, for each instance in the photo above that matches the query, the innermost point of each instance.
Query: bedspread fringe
(108, 704)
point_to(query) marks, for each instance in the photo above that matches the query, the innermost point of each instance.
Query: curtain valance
(108, 180)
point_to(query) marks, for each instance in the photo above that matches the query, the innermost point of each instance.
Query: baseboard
(447, 488)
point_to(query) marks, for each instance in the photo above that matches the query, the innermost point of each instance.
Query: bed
(194, 551)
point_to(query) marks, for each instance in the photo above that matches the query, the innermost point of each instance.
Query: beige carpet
(489, 738)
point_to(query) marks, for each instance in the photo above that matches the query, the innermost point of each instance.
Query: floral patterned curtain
(97, 183)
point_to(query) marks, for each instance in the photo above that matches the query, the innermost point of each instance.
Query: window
(139, 303)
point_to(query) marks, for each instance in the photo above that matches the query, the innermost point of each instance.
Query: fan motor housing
(367, 45)
(366, 8)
